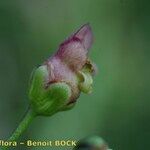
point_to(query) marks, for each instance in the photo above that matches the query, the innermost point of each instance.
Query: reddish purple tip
(74, 50)
(84, 34)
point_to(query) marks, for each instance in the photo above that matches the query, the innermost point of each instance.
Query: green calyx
(47, 100)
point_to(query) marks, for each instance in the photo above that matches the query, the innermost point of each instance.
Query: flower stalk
(28, 118)
(23, 125)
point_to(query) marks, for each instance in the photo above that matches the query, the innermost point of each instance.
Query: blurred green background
(119, 107)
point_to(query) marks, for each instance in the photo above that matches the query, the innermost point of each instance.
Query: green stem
(29, 116)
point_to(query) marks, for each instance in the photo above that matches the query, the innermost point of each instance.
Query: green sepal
(47, 100)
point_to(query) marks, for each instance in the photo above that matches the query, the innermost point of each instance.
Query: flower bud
(57, 83)
(92, 143)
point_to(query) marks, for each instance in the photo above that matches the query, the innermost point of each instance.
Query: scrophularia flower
(58, 82)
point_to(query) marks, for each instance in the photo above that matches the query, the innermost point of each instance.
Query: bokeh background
(119, 107)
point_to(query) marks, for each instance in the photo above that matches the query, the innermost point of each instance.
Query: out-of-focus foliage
(118, 109)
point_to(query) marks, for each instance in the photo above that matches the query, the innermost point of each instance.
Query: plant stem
(29, 116)
(27, 119)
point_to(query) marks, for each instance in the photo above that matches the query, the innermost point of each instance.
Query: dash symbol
(21, 143)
